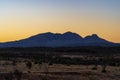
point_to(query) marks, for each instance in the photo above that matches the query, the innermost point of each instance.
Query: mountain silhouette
(68, 39)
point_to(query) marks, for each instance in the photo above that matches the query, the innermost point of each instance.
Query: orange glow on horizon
(22, 19)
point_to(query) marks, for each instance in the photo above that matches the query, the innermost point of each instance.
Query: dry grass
(60, 72)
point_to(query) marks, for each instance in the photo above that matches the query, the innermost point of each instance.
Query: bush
(18, 74)
(104, 71)
(29, 64)
(8, 76)
(94, 68)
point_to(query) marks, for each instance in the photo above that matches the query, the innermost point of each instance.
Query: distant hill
(68, 39)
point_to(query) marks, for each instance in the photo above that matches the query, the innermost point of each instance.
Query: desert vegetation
(80, 63)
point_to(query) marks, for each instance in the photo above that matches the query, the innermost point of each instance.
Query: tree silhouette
(29, 65)
(18, 74)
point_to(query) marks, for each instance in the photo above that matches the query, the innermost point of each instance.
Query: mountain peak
(69, 32)
(47, 33)
(72, 35)
(67, 39)
(95, 36)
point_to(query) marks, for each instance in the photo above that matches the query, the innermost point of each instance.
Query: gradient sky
(23, 18)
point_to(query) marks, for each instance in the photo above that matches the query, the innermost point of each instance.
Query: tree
(18, 74)
(105, 61)
(8, 76)
(29, 65)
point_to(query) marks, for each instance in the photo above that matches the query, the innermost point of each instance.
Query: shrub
(8, 76)
(18, 74)
(29, 64)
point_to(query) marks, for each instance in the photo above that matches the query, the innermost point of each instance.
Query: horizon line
(56, 33)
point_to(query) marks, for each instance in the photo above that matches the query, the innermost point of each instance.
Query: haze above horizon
(23, 18)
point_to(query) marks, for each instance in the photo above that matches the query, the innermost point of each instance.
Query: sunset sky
(22, 18)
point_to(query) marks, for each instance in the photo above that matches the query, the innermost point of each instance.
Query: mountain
(68, 39)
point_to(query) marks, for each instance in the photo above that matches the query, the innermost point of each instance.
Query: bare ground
(60, 72)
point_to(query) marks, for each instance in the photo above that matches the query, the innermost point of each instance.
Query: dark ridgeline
(68, 39)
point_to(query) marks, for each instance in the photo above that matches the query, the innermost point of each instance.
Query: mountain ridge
(67, 39)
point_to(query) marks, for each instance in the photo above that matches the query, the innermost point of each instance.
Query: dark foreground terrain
(80, 63)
